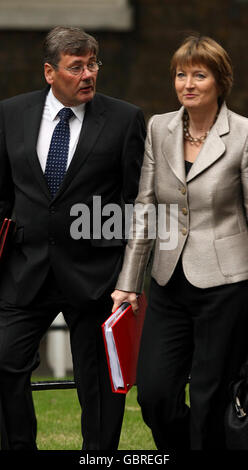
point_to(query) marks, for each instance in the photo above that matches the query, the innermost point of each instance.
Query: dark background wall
(136, 64)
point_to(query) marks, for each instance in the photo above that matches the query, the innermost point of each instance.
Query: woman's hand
(120, 296)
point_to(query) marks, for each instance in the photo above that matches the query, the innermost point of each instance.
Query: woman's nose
(189, 82)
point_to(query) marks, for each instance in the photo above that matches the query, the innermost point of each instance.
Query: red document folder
(6, 233)
(121, 334)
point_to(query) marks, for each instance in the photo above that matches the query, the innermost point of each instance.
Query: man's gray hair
(67, 40)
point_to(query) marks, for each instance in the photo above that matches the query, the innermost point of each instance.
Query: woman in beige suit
(196, 168)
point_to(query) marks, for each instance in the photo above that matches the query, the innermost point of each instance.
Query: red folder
(121, 334)
(6, 233)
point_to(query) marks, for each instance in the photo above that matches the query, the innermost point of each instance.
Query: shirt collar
(55, 106)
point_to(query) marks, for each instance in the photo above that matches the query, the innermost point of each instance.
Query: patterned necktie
(58, 152)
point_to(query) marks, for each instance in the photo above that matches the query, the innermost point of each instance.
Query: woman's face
(196, 87)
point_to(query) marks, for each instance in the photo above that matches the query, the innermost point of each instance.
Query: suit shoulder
(158, 120)
(23, 98)
(117, 104)
(164, 116)
(238, 118)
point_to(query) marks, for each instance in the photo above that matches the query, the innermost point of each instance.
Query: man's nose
(86, 72)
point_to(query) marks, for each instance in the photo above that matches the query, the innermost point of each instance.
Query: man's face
(69, 89)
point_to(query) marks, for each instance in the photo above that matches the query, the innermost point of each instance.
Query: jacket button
(185, 211)
(183, 190)
(51, 241)
(184, 231)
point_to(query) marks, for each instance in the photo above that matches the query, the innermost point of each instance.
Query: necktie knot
(65, 114)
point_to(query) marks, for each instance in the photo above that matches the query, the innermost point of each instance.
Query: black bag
(236, 416)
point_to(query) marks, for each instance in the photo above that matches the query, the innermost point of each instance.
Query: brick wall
(136, 64)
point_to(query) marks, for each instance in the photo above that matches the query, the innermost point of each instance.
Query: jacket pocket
(232, 254)
(18, 236)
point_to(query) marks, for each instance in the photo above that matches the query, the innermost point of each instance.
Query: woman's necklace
(187, 136)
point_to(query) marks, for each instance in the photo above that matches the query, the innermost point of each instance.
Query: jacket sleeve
(140, 241)
(6, 182)
(244, 177)
(132, 157)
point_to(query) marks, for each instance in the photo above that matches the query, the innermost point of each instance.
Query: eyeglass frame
(81, 68)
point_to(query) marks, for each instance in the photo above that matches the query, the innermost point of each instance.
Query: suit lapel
(214, 146)
(212, 150)
(32, 118)
(172, 146)
(94, 120)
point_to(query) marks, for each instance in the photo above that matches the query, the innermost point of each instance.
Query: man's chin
(86, 95)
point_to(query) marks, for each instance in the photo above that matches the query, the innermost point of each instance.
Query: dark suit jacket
(106, 163)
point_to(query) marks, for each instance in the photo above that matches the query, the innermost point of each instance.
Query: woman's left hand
(120, 296)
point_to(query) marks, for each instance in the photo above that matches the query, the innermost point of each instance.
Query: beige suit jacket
(212, 204)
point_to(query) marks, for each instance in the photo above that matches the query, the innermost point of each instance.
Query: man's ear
(49, 73)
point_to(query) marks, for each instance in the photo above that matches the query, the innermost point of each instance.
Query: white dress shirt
(48, 123)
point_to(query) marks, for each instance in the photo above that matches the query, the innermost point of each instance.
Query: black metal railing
(53, 385)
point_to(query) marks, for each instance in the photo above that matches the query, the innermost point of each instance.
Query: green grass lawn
(58, 415)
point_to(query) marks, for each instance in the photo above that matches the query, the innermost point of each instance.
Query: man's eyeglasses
(78, 69)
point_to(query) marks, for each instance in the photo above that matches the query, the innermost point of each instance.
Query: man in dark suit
(50, 161)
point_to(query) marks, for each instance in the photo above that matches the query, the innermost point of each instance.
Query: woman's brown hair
(197, 50)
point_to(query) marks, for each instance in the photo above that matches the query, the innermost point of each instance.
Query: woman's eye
(180, 74)
(201, 76)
